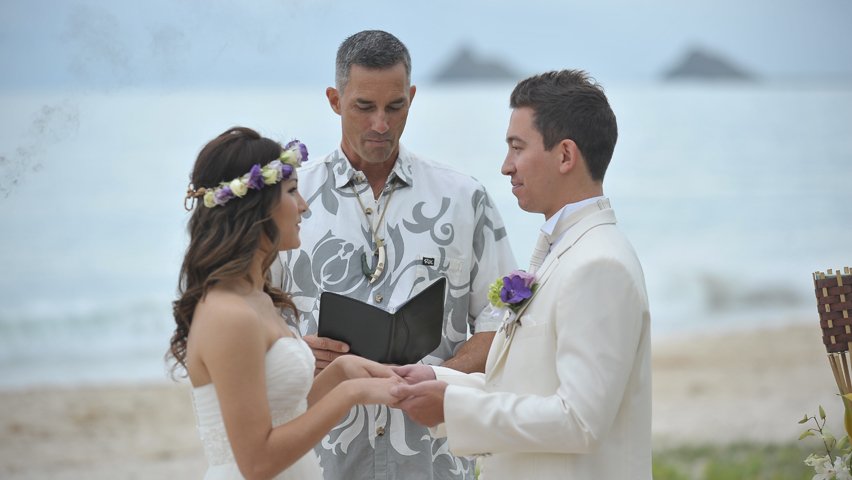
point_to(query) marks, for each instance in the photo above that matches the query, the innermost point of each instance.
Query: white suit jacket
(566, 394)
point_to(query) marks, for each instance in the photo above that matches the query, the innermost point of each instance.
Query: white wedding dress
(289, 375)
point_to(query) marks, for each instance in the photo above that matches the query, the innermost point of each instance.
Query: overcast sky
(188, 43)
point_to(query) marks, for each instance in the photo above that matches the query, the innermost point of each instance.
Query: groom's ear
(570, 155)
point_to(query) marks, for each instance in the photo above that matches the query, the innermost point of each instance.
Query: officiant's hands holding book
(326, 350)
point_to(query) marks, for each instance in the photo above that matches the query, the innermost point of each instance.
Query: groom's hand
(415, 373)
(423, 402)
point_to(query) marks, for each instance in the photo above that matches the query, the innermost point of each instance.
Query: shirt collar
(344, 172)
(550, 225)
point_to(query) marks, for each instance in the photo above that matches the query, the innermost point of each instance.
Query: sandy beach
(716, 388)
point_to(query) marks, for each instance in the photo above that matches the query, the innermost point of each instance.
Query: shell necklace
(379, 252)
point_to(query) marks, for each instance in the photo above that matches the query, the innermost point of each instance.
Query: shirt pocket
(430, 267)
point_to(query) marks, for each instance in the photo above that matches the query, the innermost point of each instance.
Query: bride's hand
(354, 366)
(371, 391)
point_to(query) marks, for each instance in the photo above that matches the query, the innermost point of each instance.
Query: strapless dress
(289, 376)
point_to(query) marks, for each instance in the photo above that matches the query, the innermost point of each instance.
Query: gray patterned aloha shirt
(439, 223)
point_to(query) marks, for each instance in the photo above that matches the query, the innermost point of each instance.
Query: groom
(566, 391)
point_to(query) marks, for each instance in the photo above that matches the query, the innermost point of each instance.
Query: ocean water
(732, 195)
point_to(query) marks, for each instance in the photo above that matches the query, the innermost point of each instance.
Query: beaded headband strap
(291, 157)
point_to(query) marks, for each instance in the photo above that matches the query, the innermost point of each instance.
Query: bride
(259, 408)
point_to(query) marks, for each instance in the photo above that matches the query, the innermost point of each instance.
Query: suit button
(379, 298)
(380, 431)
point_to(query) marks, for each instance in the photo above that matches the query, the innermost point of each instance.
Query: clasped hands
(421, 396)
(411, 388)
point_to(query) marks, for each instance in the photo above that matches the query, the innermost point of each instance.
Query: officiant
(383, 223)
(566, 391)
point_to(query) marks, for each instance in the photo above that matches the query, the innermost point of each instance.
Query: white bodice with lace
(289, 375)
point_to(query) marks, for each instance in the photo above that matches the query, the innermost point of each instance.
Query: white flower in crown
(239, 187)
(209, 199)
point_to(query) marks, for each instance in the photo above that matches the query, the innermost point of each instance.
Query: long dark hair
(223, 239)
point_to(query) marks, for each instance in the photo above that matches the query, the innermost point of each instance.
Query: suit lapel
(574, 226)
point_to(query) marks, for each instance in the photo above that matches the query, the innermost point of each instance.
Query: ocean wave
(84, 329)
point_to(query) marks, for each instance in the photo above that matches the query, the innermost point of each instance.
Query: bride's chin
(284, 246)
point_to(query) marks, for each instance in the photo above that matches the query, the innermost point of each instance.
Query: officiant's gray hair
(570, 104)
(370, 49)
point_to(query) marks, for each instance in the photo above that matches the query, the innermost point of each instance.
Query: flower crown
(281, 168)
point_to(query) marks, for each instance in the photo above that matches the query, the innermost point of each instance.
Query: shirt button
(379, 298)
(380, 431)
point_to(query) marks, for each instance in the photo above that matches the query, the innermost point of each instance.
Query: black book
(401, 337)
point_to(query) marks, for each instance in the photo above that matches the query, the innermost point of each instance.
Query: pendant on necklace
(380, 262)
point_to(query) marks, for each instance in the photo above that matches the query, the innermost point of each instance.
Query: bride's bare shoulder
(224, 327)
(222, 308)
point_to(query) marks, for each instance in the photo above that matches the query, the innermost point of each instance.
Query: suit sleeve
(598, 322)
(455, 378)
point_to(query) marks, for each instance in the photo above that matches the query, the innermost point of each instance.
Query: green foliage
(733, 462)
(834, 464)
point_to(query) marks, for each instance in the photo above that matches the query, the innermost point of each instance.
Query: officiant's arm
(492, 258)
(472, 354)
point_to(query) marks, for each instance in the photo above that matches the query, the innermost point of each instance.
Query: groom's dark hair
(570, 104)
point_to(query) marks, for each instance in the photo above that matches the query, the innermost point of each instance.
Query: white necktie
(542, 247)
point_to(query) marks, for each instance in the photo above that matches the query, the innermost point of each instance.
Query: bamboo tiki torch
(834, 302)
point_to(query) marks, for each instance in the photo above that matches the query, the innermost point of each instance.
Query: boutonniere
(511, 293)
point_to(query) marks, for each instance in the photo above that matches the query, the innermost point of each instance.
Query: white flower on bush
(830, 466)
(825, 470)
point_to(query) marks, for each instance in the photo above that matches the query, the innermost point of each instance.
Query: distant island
(701, 64)
(465, 66)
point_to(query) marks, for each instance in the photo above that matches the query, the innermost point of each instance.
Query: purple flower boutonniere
(511, 293)
(512, 290)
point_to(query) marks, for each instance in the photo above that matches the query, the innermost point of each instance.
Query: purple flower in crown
(300, 148)
(255, 177)
(286, 170)
(223, 194)
(517, 287)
